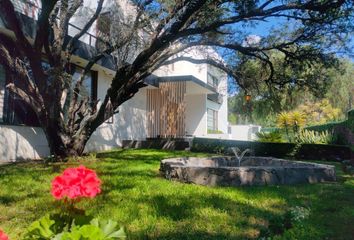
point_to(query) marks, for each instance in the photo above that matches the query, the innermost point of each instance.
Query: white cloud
(252, 40)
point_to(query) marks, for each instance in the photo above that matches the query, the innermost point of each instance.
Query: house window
(89, 84)
(15, 111)
(212, 120)
(212, 80)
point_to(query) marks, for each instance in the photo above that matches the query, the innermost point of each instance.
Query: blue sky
(263, 28)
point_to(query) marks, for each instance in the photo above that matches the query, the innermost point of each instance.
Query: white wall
(20, 143)
(196, 117)
(183, 68)
(129, 123)
(244, 132)
(187, 68)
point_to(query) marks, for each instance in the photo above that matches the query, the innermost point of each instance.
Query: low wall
(168, 144)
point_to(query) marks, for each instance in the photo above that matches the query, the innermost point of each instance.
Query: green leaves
(109, 229)
(312, 137)
(274, 136)
(40, 229)
(60, 227)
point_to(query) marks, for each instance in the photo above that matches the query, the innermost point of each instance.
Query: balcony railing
(32, 9)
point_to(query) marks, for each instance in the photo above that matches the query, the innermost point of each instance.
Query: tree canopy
(325, 95)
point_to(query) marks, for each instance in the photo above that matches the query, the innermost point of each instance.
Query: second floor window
(212, 119)
(89, 85)
(212, 80)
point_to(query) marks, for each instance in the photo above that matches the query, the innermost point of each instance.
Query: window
(212, 80)
(15, 111)
(89, 85)
(212, 120)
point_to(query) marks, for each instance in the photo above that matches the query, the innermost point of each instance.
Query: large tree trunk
(59, 146)
(62, 145)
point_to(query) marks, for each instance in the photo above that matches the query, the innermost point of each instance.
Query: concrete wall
(183, 68)
(128, 124)
(20, 143)
(243, 132)
(196, 116)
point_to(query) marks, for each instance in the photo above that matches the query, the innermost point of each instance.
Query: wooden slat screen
(166, 110)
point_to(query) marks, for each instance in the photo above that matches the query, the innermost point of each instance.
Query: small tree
(168, 28)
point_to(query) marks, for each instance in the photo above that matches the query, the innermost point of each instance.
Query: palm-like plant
(284, 121)
(298, 120)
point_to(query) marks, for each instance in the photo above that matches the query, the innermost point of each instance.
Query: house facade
(180, 100)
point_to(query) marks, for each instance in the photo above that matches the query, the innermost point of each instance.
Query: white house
(181, 99)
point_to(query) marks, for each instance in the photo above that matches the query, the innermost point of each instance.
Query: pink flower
(76, 183)
(3, 236)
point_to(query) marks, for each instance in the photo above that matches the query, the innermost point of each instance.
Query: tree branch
(86, 27)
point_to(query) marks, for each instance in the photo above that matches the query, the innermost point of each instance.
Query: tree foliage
(330, 88)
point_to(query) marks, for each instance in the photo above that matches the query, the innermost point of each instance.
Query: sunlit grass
(151, 207)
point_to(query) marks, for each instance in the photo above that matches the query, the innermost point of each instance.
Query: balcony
(88, 46)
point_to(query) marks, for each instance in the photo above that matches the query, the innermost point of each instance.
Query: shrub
(291, 122)
(323, 127)
(281, 150)
(274, 136)
(259, 148)
(312, 137)
(215, 131)
(72, 186)
(63, 227)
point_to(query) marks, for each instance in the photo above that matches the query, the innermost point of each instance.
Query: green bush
(341, 130)
(214, 131)
(274, 136)
(324, 127)
(280, 150)
(312, 137)
(64, 227)
(259, 148)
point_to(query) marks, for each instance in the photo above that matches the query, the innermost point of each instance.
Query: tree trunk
(62, 145)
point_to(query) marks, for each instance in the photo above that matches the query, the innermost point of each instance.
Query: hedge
(280, 150)
(324, 127)
(349, 123)
(342, 131)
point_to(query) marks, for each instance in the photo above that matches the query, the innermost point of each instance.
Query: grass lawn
(151, 207)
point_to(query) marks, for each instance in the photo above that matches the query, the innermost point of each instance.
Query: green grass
(151, 207)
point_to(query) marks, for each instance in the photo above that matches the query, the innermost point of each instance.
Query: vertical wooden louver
(166, 110)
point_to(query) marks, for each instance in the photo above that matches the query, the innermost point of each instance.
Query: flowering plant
(3, 236)
(76, 183)
(71, 223)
